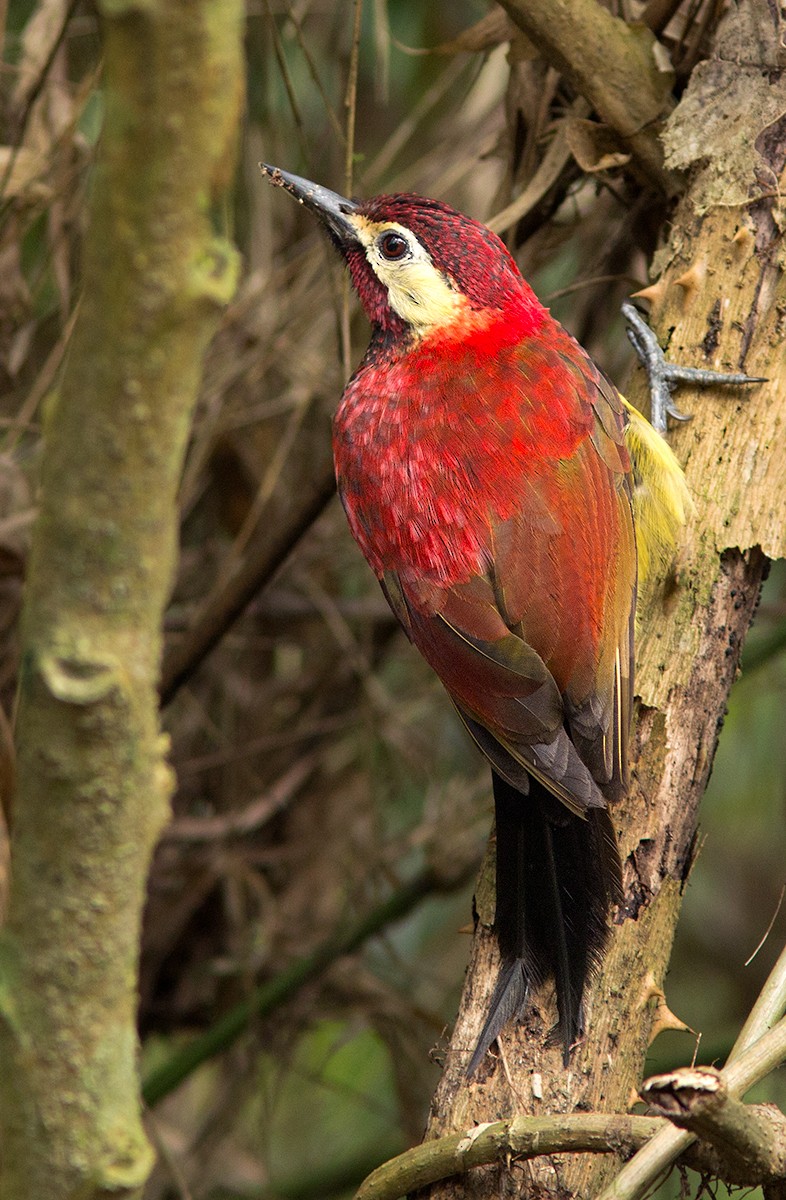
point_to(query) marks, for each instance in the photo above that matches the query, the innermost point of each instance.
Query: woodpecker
(506, 497)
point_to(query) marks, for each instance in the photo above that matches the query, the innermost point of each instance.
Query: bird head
(420, 267)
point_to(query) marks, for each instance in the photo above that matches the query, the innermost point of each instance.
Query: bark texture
(93, 785)
(720, 302)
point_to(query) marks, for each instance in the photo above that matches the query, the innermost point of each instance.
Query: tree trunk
(93, 784)
(720, 302)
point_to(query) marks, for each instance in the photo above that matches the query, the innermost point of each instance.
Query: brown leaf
(595, 147)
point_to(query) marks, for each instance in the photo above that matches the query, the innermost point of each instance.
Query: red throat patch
(448, 436)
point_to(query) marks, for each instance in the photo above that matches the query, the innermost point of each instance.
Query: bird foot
(664, 376)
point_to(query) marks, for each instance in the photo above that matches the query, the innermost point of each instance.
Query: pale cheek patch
(419, 294)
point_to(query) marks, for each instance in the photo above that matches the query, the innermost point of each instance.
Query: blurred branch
(269, 996)
(350, 104)
(658, 13)
(764, 648)
(94, 786)
(613, 65)
(554, 162)
(264, 555)
(407, 129)
(34, 69)
(313, 71)
(289, 86)
(351, 99)
(249, 819)
(322, 1183)
(769, 1008)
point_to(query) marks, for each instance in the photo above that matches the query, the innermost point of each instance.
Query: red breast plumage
(481, 461)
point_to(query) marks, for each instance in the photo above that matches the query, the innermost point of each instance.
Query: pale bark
(720, 303)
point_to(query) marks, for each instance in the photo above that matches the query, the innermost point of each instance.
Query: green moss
(93, 790)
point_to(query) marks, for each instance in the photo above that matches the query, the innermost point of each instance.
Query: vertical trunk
(722, 300)
(93, 783)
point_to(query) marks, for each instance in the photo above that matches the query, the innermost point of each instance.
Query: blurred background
(322, 774)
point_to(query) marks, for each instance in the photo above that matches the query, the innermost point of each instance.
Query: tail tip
(507, 1001)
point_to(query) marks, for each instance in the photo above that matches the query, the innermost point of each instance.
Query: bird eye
(393, 246)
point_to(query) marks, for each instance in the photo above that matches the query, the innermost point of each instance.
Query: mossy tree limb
(93, 785)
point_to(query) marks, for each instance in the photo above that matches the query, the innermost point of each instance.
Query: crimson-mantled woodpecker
(484, 464)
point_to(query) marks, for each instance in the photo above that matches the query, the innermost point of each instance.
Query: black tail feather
(569, 1013)
(557, 877)
(508, 999)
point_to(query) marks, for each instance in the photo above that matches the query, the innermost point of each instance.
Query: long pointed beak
(331, 208)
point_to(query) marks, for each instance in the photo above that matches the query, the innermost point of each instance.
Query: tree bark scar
(638, 892)
(714, 326)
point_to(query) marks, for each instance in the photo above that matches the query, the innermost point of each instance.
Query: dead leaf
(595, 147)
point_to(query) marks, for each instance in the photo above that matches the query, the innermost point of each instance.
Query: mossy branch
(750, 1139)
(754, 1133)
(93, 783)
(751, 1136)
(269, 548)
(499, 1141)
(636, 1178)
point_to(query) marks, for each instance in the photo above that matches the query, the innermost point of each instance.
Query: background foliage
(319, 763)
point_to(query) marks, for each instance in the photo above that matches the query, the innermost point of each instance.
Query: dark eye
(393, 246)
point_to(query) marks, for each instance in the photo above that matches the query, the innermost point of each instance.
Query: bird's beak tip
(274, 174)
(333, 209)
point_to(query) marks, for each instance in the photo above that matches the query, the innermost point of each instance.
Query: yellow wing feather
(661, 500)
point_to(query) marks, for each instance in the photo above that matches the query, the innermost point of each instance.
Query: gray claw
(664, 376)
